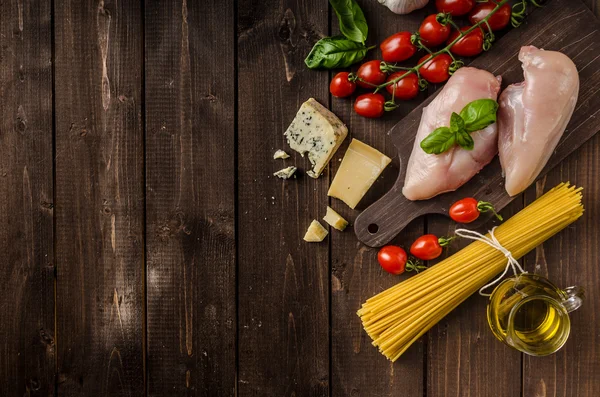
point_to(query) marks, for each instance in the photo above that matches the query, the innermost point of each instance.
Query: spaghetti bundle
(398, 316)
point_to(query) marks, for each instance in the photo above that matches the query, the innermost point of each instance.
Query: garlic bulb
(404, 6)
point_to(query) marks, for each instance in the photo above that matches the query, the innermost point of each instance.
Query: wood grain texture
(464, 358)
(283, 281)
(190, 99)
(571, 258)
(99, 198)
(563, 25)
(27, 336)
(358, 369)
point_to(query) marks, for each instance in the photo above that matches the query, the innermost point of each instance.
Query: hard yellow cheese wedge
(335, 220)
(315, 233)
(360, 167)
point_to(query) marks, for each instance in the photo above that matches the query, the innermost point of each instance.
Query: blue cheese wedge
(280, 154)
(315, 233)
(335, 220)
(286, 173)
(318, 132)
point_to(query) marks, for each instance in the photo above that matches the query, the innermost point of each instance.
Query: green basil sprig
(352, 21)
(335, 52)
(342, 51)
(474, 117)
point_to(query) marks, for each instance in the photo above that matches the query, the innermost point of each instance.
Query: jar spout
(575, 296)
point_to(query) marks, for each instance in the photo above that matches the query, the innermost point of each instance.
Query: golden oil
(530, 314)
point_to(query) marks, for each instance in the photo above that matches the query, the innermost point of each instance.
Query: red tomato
(455, 7)
(468, 209)
(432, 32)
(340, 86)
(397, 47)
(406, 88)
(370, 105)
(392, 259)
(436, 70)
(371, 73)
(428, 247)
(498, 21)
(465, 210)
(468, 46)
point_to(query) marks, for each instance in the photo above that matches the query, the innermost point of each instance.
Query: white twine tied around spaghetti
(492, 241)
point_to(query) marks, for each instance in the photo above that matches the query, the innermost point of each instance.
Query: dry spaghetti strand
(400, 315)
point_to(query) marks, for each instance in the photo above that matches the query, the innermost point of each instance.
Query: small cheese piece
(360, 167)
(280, 154)
(315, 233)
(318, 132)
(286, 173)
(335, 220)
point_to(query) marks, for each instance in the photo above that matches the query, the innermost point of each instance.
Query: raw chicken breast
(534, 114)
(428, 175)
(404, 6)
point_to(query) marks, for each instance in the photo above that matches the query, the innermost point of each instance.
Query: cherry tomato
(370, 105)
(397, 47)
(340, 86)
(468, 46)
(371, 73)
(468, 209)
(432, 32)
(436, 70)
(464, 211)
(429, 247)
(392, 259)
(455, 8)
(406, 88)
(498, 21)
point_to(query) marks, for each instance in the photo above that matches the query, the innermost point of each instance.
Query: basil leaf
(440, 140)
(479, 114)
(457, 124)
(465, 140)
(335, 52)
(352, 21)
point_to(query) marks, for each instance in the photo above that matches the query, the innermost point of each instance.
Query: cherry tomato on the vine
(468, 209)
(397, 47)
(370, 105)
(432, 32)
(468, 46)
(429, 247)
(392, 259)
(406, 88)
(371, 75)
(455, 8)
(498, 21)
(340, 86)
(437, 69)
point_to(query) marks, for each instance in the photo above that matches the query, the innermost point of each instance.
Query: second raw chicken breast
(428, 175)
(534, 114)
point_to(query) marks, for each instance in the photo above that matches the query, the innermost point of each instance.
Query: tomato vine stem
(446, 49)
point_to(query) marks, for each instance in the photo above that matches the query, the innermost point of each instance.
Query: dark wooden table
(146, 248)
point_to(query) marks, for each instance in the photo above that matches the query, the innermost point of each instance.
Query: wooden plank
(283, 281)
(190, 107)
(571, 258)
(99, 198)
(27, 348)
(358, 369)
(464, 357)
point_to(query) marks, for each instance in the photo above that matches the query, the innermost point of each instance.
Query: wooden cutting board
(562, 25)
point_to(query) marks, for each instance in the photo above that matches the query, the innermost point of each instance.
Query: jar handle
(575, 296)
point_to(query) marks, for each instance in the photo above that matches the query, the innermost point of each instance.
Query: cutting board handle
(387, 217)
